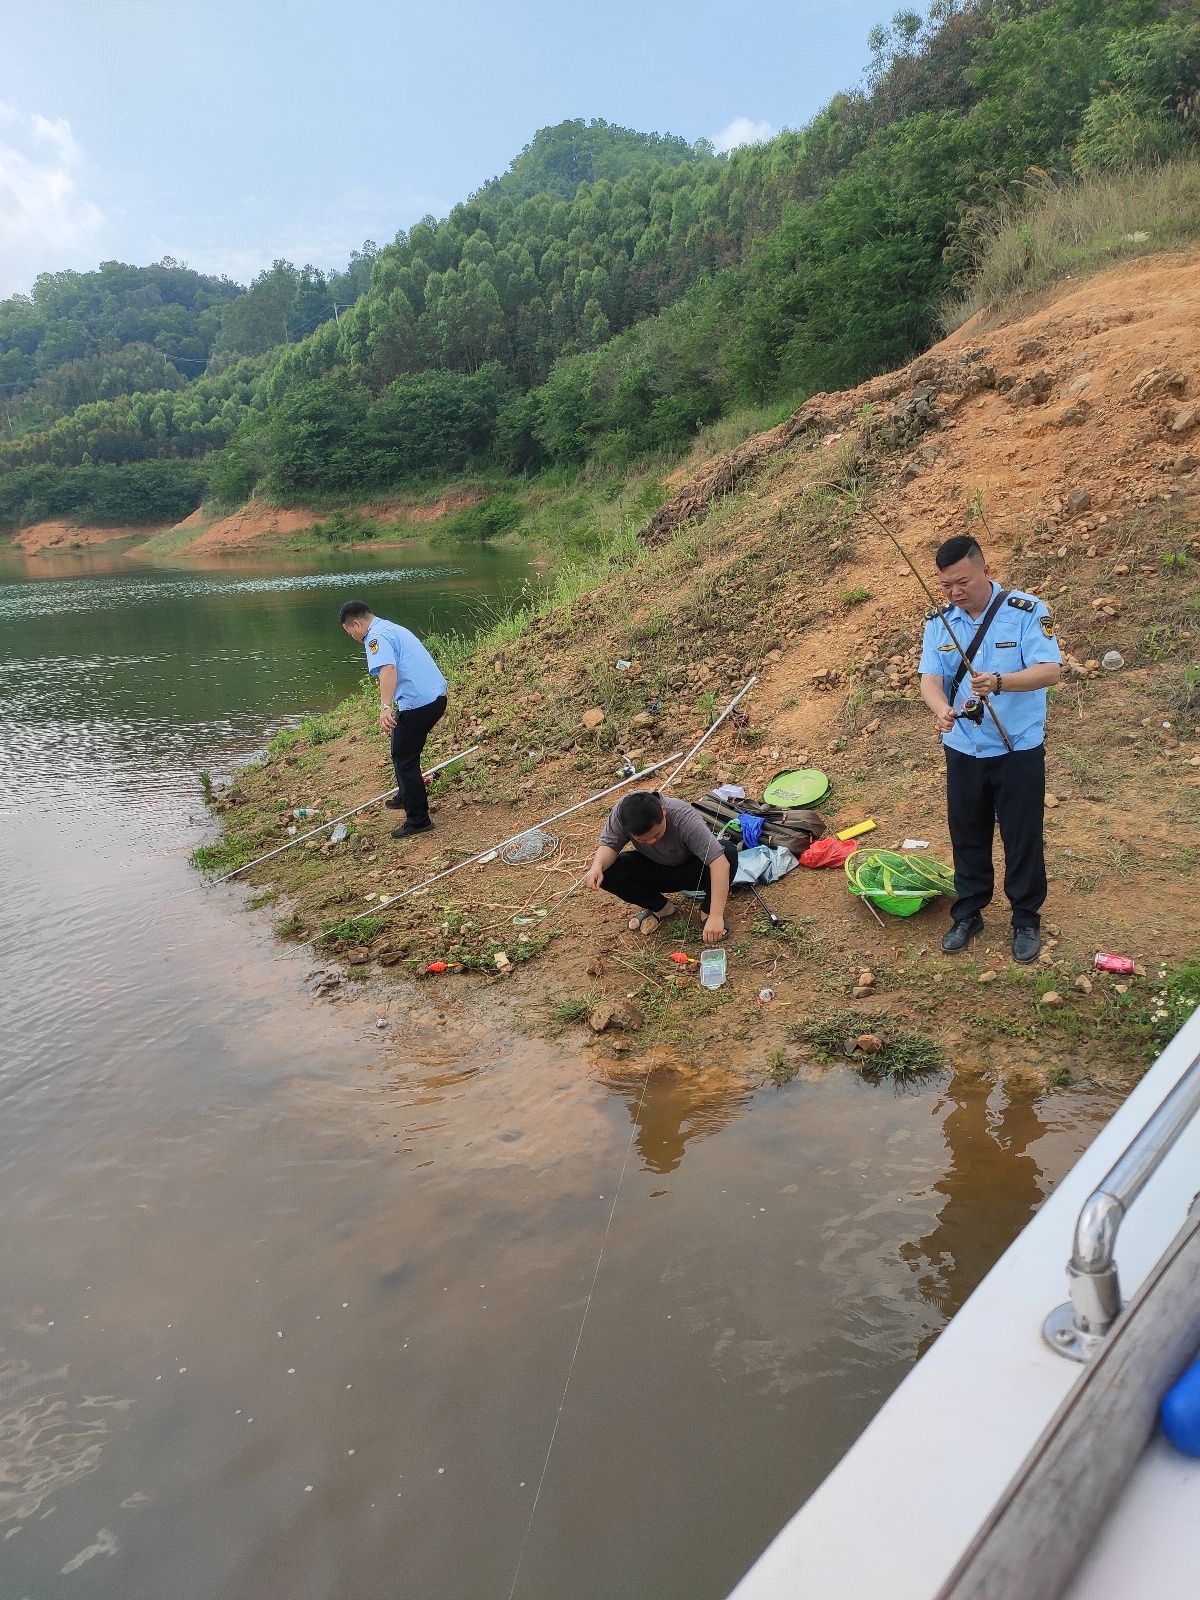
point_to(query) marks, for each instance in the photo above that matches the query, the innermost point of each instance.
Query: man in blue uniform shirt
(412, 698)
(987, 782)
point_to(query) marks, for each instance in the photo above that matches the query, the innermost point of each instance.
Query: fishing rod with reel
(974, 707)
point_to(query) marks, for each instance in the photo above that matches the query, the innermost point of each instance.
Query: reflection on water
(673, 1109)
(992, 1187)
(288, 1302)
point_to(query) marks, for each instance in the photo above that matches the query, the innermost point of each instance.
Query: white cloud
(46, 222)
(741, 131)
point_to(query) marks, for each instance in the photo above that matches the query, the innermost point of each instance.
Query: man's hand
(714, 928)
(387, 719)
(945, 719)
(984, 683)
(601, 861)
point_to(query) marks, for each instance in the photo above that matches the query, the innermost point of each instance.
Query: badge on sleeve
(1048, 626)
(373, 647)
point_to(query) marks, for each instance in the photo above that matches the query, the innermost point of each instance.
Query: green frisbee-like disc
(807, 787)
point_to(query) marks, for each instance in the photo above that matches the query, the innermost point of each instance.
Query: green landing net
(808, 786)
(897, 883)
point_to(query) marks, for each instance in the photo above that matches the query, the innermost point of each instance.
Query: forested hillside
(611, 291)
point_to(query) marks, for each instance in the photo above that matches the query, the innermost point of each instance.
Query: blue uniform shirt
(418, 677)
(1021, 635)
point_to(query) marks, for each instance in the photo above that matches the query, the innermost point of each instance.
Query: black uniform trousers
(408, 740)
(981, 792)
(636, 879)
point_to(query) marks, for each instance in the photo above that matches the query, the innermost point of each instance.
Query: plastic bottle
(712, 968)
(339, 833)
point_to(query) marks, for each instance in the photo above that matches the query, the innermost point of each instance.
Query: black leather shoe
(959, 934)
(1027, 945)
(407, 829)
(394, 804)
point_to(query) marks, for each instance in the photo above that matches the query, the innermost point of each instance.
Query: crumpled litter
(828, 852)
(752, 828)
(763, 864)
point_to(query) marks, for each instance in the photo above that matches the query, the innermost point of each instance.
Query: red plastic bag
(828, 852)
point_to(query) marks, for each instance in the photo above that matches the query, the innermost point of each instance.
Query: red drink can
(1109, 963)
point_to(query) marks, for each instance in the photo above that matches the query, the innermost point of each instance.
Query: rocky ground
(1065, 438)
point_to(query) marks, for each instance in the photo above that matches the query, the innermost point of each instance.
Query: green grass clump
(355, 930)
(904, 1055)
(573, 1013)
(223, 855)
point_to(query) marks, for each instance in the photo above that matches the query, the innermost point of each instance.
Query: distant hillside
(611, 320)
(557, 160)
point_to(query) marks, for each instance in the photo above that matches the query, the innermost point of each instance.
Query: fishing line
(558, 815)
(940, 613)
(210, 883)
(620, 1177)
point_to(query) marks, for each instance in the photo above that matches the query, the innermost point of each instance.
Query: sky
(227, 133)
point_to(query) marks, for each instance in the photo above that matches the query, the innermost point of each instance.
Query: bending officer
(412, 699)
(672, 849)
(1013, 665)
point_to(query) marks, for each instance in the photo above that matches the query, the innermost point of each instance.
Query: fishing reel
(972, 710)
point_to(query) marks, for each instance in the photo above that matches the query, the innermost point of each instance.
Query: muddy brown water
(288, 1303)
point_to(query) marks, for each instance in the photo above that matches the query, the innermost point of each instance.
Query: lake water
(292, 1306)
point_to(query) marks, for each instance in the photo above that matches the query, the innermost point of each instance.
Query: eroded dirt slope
(1065, 439)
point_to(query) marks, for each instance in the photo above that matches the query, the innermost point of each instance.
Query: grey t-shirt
(687, 835)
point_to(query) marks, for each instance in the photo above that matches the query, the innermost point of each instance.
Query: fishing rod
(708, 734)
(985, 700)
(558, 815)
(333, 821)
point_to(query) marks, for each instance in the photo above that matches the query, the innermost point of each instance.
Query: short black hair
(957, 549)
(354, 608)
(639, 812)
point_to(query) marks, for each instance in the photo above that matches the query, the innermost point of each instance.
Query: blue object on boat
(1180, 1412)
(752, 828)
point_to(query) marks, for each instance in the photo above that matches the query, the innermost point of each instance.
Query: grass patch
(855, 597)
(354, 930)
(223, 855)
(290, 928)
(1075, 229)
(575, 1012)
(779, 1069)
(904, 1055)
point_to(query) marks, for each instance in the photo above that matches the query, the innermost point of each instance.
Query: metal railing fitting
(1077, 1328)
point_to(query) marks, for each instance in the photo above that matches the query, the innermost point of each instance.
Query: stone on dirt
(614, 1014)
(869, 1043)
(1082, 984)
(1052, 999)
(592, 718)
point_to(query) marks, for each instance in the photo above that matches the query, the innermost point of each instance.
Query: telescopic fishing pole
(486, 855)
(333, 821)
(986, 700)
(708, 733)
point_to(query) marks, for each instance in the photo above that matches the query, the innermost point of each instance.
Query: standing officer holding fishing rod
(995, 770)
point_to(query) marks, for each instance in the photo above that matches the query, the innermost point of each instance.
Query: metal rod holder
(1078, 1328)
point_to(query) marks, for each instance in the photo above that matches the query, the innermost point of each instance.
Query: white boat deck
(898, 1511)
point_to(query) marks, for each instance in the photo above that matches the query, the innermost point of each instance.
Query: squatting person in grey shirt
(672, 849)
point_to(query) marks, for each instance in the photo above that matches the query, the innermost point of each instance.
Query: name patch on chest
(1006, 644)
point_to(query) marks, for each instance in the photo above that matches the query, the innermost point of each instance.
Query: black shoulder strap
(985, 623)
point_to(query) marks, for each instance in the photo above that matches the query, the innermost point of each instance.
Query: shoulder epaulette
(1022, 602)
(938, 611)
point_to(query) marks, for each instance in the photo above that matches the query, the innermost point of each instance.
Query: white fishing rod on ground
(333, 821)
(558, 815)
(708, 733)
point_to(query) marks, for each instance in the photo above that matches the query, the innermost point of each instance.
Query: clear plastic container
(712, 968)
